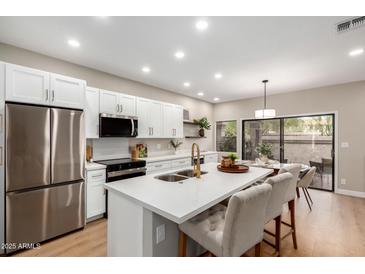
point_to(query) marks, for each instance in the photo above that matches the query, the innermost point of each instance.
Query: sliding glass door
(307, 140)
(261, 131)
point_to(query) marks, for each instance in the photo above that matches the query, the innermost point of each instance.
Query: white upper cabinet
(173, 121)
(127, 105)
(92, 113)
(26, 85)
(116, 103)
(34, 86)
(179, 121)
(109, 102)
(150, 118)
(67, 92)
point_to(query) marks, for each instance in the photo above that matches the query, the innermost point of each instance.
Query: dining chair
(293, 169)
(305, 182)
(319, 168)
(233, 230)
(280, 184)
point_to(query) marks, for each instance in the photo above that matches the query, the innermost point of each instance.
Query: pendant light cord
(265, 81)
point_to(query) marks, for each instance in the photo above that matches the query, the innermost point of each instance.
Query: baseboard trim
(358, 194)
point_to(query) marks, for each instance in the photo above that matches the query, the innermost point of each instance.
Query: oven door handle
(112, 174)
(132, 122)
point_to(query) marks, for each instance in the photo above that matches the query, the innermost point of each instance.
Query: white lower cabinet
(157, 166)
(95, 193)
(184, 162)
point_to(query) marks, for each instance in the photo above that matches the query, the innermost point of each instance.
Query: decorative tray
(234, 169)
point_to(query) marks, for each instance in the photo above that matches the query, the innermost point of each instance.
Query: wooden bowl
(234, 169)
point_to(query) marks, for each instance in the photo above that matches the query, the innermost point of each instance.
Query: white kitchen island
(143, 212)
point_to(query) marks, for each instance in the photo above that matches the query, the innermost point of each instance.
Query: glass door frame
(282, 118)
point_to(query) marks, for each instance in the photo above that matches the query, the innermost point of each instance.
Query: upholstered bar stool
(293, 169)
(279, 184)
(305, 182)
(230, 231)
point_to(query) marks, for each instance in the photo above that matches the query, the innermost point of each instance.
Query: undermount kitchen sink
(178, 176)
(189, 173)
(171, 178)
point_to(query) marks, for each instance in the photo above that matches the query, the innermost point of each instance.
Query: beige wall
(347, 99)
(107, 81)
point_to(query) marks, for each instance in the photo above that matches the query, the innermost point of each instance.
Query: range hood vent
(350, 24)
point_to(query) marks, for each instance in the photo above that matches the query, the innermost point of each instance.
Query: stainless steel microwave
(117, 126)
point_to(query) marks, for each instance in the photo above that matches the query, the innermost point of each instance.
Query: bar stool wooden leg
(291, 205)
(278, 234)
(182, 244)
(258, 249)
(298, 193)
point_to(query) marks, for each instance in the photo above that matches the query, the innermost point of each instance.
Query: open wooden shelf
(189, 122)
(195, 137)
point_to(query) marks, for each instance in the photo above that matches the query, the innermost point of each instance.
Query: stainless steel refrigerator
(44, 173)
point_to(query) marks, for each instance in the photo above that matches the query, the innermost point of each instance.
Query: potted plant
(175, 144)
(203, 124)
(264, 150)
(233, 157)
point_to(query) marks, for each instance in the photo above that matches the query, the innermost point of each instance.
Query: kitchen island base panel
(132, 231)
(128, 229)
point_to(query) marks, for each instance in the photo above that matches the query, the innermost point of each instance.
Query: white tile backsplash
(110, 148)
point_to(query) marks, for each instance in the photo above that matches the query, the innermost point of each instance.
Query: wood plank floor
(335, 227)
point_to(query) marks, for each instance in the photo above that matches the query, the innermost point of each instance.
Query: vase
(201, 132)
(264, 159)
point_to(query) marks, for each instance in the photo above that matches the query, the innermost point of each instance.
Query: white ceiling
(294, 53)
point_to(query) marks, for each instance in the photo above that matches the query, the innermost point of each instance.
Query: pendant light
(265, 113)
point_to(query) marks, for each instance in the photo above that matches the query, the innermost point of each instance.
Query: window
(226, 136)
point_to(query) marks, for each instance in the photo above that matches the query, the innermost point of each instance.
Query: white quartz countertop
(179, 202)
(173, 157)
(94, 166)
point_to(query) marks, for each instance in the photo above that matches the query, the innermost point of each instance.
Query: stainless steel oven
(118, 126)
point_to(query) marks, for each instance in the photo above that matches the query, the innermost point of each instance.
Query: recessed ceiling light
(216, 99)
(187, 84)
(201, 25)
(356, 52)
(179, 54)
(200, 93)
(218, 76)
(146, 69)
(73, 43)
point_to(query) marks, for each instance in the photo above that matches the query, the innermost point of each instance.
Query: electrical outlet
(343, 181)
(160, 233)
(345, 145)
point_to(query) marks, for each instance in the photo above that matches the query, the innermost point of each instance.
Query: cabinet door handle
(97, 176)
(152, 131)
(52, 95)
(158, 165)
(117, 107)
(47, 94)
(121, 108)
